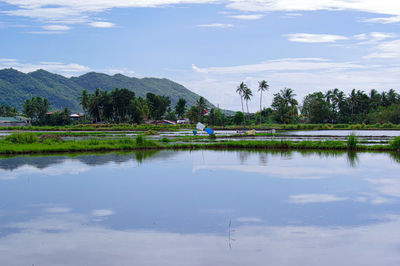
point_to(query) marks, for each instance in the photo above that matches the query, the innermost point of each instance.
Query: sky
(211, 46)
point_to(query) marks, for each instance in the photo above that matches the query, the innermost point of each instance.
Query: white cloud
(56, 27)
(292, 15)
(77, 11)
(57, 210)
(362, 36)
(101, 24)
(380, 36)
(367, 38)
(248, 220)
(123, 71)
(215, 25)
(61, 68)
(248, 17)
(285, 64)
(314, 38)
(102, 212)
(374, 37)
(314, 198)
(304, 75)
(385, 20)
(388, 7)
(389, 49)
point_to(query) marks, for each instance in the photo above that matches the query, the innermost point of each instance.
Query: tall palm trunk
(260, 107)
(241, 100)
(248, 114)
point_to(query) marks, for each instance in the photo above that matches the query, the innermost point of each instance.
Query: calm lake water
(201, 208)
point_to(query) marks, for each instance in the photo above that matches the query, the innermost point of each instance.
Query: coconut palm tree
(288, 96)
(353, 101)
(201, 105)
(247, 97)
(241, 89)
(84, 101)
(262, 86)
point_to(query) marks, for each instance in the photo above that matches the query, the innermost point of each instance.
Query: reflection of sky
(72, 239)
(274, 200)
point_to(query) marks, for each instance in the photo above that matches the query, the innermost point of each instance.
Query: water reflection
(161, 208)
(76, 239)
(94, 159)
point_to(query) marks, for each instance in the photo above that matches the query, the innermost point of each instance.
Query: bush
(395, 143)
(22, 138)
(166, 140)
(140, 140)
(352, 141)
(94, 141)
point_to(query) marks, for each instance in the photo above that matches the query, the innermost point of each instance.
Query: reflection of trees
(243, 156)
(44, 161)
(263, 158)
(395, 156)
(352, 158)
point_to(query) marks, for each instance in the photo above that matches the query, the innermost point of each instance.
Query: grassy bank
(29, 143)
(162, 127)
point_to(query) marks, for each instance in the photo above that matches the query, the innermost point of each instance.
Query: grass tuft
(352, 141)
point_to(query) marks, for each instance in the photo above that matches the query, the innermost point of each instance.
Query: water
(201, 208)
(362, 133)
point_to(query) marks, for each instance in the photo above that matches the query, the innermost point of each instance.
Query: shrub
(352, 141)
(22, 138)
(395, 143)
(166, 140)
(140, 140)
(94, 142)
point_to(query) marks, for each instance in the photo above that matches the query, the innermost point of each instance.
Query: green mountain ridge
(16, 87)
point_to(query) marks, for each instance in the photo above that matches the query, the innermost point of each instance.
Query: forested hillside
(16, 87)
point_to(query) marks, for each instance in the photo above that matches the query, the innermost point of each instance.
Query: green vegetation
(25, 143)
(352, 142)
(16, 87)
(7, 111)
(164, 127)
(262, 86)
(395, 144)
(180, 108)
(22, 138)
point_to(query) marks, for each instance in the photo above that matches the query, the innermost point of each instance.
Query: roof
(76, 115)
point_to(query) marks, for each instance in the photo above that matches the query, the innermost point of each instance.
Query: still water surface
(201, 208)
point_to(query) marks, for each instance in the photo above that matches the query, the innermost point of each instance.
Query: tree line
(332, 106)
(122, 106)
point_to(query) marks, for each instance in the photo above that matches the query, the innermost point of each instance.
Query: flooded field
(201, 208)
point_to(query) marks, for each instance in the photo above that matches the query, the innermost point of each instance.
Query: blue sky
(210, 46)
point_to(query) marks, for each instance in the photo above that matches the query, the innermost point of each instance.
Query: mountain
(16, 87)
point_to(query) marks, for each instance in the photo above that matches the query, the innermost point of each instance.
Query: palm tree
(84, 101)
(353, 101)
(262, 86)
(94, 105)
(241, 89)
(247, 96)
(289, 100)
(201, 105)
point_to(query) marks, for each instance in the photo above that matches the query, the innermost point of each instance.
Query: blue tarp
(209, 131)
